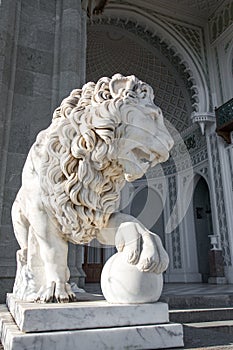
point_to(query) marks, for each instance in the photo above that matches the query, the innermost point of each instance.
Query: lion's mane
(80, 176)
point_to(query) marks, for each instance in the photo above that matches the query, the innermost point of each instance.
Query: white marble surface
(101, 136)
(122, 282)
(34, 317)
(131, 337)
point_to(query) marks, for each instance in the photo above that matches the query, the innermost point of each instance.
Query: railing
(224, 120)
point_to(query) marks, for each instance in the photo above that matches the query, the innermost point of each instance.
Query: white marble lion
(101, 136)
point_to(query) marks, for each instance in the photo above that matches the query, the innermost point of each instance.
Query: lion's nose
(168, 141)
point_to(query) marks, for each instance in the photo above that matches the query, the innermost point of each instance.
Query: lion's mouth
(148, 158)
(142, 155)
(139, 159)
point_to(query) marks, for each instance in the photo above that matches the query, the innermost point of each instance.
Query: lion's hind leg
(21, 229)
(24, 279)
(53, 250)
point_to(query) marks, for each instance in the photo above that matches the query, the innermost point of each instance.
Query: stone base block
(87, 324)
(158, 336)
(35, 317)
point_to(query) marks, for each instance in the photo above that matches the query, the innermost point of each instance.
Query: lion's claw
(55, 291)
(146, 265)
(133, 257)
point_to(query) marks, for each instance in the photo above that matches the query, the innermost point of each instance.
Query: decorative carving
(219, 73)
(100, 136)
(159, 187)
(176, 244)
(204, 172)
(192, 34)
(221, 211)
(190, 142)
(230, 158)
(177, 106)
(201, 5)
(221, 20)
(203, 119)
(93, 7)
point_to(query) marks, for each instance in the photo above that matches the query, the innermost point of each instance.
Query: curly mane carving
(80, 177)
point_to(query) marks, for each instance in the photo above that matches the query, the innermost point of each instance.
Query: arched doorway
(147, 206)
(203, 226)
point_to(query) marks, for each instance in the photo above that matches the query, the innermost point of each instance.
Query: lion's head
(101, 135)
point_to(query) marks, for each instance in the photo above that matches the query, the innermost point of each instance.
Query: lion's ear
(120, 83)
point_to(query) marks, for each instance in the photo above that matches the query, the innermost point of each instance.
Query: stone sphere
(123, 283)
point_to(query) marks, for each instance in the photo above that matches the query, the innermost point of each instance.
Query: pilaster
(181, 241)
(221, 198)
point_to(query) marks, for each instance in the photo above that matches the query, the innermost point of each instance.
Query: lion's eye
(144, 93)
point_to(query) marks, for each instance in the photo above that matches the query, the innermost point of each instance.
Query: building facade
(184, 50)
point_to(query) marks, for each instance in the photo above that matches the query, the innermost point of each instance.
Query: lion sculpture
(101, 136)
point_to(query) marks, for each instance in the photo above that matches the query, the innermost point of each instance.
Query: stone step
(225, 326)
(197, 301)
(201, 315)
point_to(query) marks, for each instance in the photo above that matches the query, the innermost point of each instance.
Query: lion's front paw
(149, 258)
(153, 257)
(55, 291)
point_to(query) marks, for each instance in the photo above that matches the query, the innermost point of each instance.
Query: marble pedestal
(87, 325)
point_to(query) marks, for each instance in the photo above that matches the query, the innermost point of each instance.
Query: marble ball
(123, 283)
